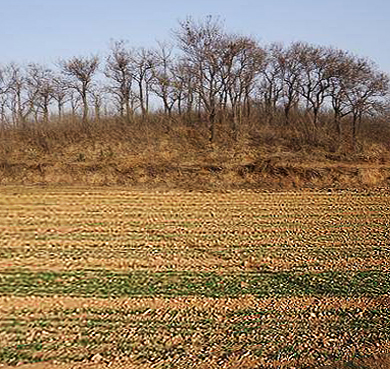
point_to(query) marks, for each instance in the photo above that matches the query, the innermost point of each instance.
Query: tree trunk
(129, 112)
(45, 113)
(212, 125)
(315, 116)
(59, 106)
(85, 107)
(354, 129)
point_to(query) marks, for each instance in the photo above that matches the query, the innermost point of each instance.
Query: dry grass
(143, 153)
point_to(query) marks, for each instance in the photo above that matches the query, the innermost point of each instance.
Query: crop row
(193, 335)
(101, 283)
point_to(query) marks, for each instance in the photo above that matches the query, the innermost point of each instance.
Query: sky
(44, 31)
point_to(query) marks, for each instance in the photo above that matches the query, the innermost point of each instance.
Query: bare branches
(165, 82)
(142, 63)
(218, 78)
(224, 67)
(40, 81)
(80, 71)
(119, 72)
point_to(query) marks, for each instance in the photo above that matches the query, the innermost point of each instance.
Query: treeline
(205, 73)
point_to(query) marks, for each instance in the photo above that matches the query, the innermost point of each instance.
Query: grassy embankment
(177, 154)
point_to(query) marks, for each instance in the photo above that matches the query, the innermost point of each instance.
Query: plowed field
(131, 278)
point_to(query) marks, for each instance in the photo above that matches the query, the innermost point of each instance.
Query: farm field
(166, 278)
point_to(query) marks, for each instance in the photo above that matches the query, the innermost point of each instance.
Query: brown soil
(45, 304)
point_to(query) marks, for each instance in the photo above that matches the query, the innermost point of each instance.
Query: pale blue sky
(46, 30)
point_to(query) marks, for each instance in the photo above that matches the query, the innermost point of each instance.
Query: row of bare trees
(218, 75)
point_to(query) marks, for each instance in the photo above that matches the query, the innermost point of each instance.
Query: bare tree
(365, 89)
(271, 83)
(80, 71)
(315, 77)
(241, 63)
(4, 88)
(60, 94)
(291, 72)
(119, 71)
(165, 83)
(41, 88)
(75, 102)
(201, 43)
(142, 72)
(356, 88)
(339, 66)
(185, 82)
(20, 102)
(97, 97)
